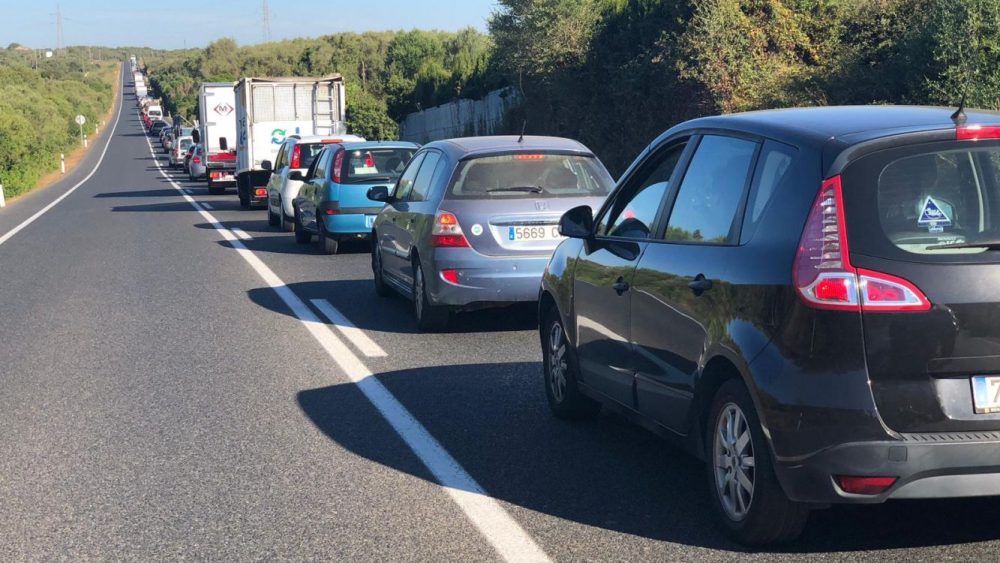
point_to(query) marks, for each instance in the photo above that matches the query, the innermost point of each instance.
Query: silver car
(196, 167)
(472, 222)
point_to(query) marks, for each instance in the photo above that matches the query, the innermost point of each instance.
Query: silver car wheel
(557, 362)
(734, 462)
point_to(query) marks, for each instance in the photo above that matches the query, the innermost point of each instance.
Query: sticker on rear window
(933, 216)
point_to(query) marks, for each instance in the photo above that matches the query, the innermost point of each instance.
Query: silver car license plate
(986, 393)
(538, 232)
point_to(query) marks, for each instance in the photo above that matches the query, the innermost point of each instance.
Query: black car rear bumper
(926, 465)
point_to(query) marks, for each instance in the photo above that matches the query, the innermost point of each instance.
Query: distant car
(196, 167)
(167, 138)
(187, 157)
(295, 155)
(472, 222)
(179, 150)
(333, 202)
(156, 127)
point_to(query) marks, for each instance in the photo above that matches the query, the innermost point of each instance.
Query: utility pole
(265, 21)
(59, 28)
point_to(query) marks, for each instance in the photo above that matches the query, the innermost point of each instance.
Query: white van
(154, 112)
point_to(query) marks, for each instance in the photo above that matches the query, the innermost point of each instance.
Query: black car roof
(817, 126)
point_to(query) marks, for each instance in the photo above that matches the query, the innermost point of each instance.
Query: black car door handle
(700, 284)
(620, 286)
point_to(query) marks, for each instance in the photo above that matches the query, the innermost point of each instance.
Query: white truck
(268, 110)
(217, 133)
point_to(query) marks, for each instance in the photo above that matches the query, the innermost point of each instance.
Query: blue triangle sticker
(933, 215)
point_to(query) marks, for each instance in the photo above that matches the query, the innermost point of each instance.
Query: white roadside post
(62, 163)
(2, 202)
(80, 120)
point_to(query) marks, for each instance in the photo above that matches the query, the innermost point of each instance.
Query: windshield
(928, 202)
(533, 176)
(366, 165)
(185, 143)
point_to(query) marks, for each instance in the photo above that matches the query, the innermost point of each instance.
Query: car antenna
(524, 124)
(959, 118)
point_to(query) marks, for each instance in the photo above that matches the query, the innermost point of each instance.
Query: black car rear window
(928, 203)
(375, 164)
(535, 176)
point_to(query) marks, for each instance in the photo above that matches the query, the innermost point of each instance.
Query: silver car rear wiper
(529, 189)
(987, 244)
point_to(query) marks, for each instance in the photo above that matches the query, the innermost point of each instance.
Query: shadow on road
(156, 207)
(139, 193)
(605, 473)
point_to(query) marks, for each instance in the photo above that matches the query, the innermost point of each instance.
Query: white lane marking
(240, 233)
(187, 191)
(357, 336)
(207, 205)
(111, 135)
(510, 540)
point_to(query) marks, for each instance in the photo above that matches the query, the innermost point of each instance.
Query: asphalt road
(169, 390)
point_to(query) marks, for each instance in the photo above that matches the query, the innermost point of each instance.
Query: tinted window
(405, 183)
(771, 171)
(322, 163)
(536, 176)
(941, 198)
(372, 165)
(635, 208)
(711, 192)
(308, 153)
(422, 184)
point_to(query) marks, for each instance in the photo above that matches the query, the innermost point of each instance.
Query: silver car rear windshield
(534, 176)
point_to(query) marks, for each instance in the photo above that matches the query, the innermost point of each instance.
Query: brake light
(369, 161)
(195, 160)
(260, 192)
(976, 132)
(864, 485)
(447, 232)
(296, 161)
(450, 276)
(823, 274)
(337, 163)
(529, 156)
(331, 141)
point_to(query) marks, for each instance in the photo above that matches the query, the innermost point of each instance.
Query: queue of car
(801, 298)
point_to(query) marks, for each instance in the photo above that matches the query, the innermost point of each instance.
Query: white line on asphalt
(510, 540)
(207, 205)
(240, 233)
(187, 191)
(357, 336)
(111, 135)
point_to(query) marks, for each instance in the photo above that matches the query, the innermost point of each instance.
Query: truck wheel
(747, 499)
(212, 188)
(244, 198)
(328, 244)
(302, 236)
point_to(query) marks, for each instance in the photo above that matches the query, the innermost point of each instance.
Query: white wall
(461, 118)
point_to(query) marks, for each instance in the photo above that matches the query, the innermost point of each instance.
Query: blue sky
(172, 25)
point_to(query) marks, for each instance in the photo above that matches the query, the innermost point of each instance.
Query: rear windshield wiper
(529, 189)
(987, 244)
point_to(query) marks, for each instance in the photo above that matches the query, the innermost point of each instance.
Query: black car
(805, 298)
(156, 127)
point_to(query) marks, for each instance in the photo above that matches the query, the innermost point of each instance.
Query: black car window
(405, 183)
(771, 171)
(422, 183)
(634, 209)
(711, 192)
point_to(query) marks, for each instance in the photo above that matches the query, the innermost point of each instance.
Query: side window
(405, 183)
(422, 183)
(711, 192)
(279, 161)
(635, 207)
(771, 171)
(321, 164)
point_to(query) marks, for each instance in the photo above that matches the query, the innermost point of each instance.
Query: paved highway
(177, 380)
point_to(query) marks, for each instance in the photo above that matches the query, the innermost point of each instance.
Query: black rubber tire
(430, 317)
(570, 404)
(244, 198)
(378, 274)
(327, 244)
(302, 236)
(272, 219)
(212, 188)
(772, 517)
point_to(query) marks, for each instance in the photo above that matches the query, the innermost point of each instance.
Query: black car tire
(768, 517)
(272, 218)
(430, 317)
(302, 236)
(328, 244)
(244, 197)
(561, 372)
(378, 274)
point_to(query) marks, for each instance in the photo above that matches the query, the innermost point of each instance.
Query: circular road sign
(80, 120)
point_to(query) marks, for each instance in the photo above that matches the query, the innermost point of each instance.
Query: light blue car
(333, 202)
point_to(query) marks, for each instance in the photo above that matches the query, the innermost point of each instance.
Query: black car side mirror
(297, 176)
(577, 223)
(379, 193)
(266, 165)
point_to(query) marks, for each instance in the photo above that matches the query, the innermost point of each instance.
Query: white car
(295, 155)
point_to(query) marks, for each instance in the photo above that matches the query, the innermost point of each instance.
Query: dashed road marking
(498, 527)
(207, 205)
(357, 336)
(239, 232)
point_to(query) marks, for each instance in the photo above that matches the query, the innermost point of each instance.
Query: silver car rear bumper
(484, 280)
